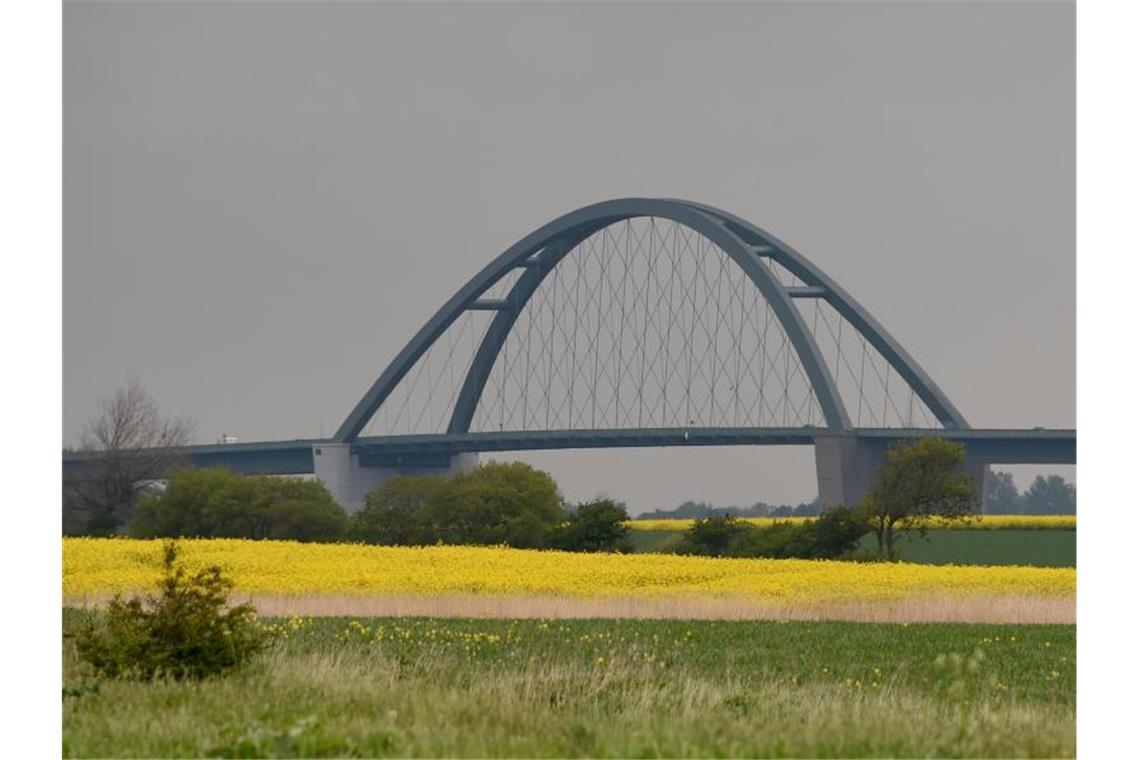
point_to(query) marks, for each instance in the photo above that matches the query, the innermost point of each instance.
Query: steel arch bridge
(643, 322)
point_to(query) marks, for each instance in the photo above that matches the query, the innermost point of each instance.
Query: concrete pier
(845, 467)
(350, 481)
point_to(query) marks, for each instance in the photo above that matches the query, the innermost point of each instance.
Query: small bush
(714, 536)
(833, 534)
(185, 632)
(596, 526)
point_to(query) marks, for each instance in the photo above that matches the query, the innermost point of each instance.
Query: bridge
(641, 322)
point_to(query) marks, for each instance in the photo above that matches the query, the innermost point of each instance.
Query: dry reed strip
(911, 609)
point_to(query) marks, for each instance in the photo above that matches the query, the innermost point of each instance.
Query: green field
(631, 688)
(1039, 547)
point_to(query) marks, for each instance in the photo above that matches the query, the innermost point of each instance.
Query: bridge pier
(350, 476)
(846, 465)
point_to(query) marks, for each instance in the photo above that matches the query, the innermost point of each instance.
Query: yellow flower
(97, 567)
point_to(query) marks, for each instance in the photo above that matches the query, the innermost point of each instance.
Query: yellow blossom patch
(95, 567)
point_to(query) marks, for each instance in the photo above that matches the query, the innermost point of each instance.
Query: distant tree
(918, 480)
(836, 532)
(1002, 496)
(218, 503)
(596, 526)
(1051, 496)
(713, 536)
(293, 509)
(129, 445)
(400, 512)
(496, 503)
(508, 503)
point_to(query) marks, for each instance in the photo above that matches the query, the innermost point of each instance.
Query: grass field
(630, 688)
(1038, 547)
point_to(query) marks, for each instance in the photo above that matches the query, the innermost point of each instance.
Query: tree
(1051, 496)
(596, 526)
(496, 503)
(1002, 496)
(918, 480)
(399, 513)
(128, 447)
(713, 536)
(218, 503)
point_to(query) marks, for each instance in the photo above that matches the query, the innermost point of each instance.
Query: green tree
(1051, 496)
(596, 526)
(219, 503)
(918, 480)
(498, 503)
(1002, 496)
(400, 512)
(713, 536)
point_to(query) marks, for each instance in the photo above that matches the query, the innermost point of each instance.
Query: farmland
(468, 651)
(401, 687)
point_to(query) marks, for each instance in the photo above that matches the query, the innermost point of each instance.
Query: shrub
(496, 503)
(597, 526)
(184, 632)
(399, 513)
(218, 503)
(713, 536)
(833, 534)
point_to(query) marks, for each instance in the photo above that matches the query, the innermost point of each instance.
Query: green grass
(1037, 547)
(1041, 548)
(631, 688)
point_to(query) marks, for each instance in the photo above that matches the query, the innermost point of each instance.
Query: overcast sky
(263, 202)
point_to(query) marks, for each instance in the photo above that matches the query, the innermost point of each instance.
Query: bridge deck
(1035, 446)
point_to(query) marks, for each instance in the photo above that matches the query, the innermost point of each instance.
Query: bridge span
(641, 322)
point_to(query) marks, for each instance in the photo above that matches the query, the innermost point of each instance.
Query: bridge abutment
(349, 479)
(846, 465)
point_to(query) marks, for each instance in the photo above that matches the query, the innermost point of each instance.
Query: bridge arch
(751, 249)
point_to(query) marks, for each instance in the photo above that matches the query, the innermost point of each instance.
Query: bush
(218, 503)
(400, 512)
(597, 526)
(184, 632)
(496, 503)
(833, 534)
(713, 536)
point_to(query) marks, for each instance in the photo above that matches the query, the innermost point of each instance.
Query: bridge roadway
(296, 457)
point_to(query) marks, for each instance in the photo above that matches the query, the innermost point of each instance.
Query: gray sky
(263, 202)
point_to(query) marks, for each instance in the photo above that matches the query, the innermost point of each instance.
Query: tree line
(509, 504)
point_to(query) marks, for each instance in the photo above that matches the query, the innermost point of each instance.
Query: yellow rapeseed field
(983, 522)
(97, 567)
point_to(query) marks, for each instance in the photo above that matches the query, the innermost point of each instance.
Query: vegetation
(695, 509)
(129, 446)
(218, 503)
(496, 503)
(628, 688)
(596, 526)
(1050, 496)
(980, 522)
(94, 567)
(1035, 548)
(184, 632)
(918, 481)
(832, 535)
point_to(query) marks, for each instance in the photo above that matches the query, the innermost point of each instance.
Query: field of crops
(93, 567)
(982, 522)
(618, 688)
